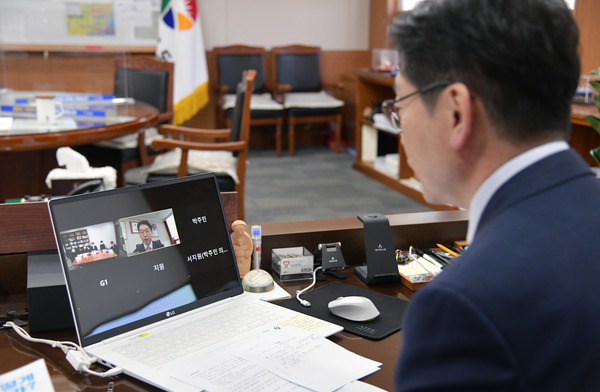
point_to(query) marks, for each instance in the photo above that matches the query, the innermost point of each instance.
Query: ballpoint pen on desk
(432, 257)
(443, 258)
(448, 250)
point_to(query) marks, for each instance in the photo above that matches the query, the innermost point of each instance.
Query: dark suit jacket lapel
(544, 174)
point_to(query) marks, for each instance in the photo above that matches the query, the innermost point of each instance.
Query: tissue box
(292, 263)
(384, 60)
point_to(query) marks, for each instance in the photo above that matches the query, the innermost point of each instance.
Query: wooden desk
(15, 351)
(421, 229)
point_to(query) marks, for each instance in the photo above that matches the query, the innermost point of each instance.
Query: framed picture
(134, 227)
(154, 230)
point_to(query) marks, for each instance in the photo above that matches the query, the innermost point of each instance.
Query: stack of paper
(286, 359)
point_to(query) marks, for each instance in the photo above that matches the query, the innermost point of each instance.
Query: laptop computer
(154, 308)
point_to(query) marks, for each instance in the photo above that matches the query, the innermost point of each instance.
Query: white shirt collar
(502, 175)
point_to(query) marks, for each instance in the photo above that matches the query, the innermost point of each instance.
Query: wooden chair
(184, 141)
(230, 62)
(146, 79)
(298, 87)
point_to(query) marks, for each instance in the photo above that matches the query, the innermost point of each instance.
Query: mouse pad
(391, 309)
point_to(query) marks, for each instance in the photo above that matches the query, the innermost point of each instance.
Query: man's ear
(460, 107)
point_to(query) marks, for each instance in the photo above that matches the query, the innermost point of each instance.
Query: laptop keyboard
(159, 348)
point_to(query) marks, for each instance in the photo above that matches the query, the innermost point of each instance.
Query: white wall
(330, 24)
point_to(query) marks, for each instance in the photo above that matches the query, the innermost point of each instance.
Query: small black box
(47, 298)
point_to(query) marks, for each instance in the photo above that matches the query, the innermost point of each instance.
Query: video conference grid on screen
(187, 254)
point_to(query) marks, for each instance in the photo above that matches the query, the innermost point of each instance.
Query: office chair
(193, 150)
(146, 79)
(264, 110)
(298, 87)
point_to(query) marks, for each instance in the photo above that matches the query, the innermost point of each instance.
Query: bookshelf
(376, 87)
(76, 241)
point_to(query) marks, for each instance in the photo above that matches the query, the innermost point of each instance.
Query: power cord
(300, 292)
(76, 355)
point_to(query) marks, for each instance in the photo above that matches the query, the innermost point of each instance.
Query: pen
(431, 256)
(448, 250)
(431, 259)
(418, 261)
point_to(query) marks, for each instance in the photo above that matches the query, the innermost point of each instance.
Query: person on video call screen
(145, 232)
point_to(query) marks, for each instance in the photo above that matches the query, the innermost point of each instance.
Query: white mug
(46, 109)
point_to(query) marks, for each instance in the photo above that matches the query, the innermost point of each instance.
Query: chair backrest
(232, 61)
(298, 66)
(240, 121)
(146, 79)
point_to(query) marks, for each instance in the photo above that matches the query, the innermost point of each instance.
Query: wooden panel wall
(382, 13)
(586, 14)
(89, 72)
(93, 72)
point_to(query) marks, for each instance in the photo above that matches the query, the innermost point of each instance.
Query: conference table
(29, 148)
(88, 119)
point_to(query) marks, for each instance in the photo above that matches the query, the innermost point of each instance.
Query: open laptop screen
(137, 255)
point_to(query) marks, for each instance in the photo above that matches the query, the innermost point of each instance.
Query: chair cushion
(312, 100)
(130, 141)
(113, 152)
(219, 162)
(262, 102)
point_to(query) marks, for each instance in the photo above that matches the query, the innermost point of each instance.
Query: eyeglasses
(388, 107)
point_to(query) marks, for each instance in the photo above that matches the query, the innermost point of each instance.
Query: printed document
(284, 359)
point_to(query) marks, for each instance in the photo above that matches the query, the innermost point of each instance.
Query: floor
(316, 183)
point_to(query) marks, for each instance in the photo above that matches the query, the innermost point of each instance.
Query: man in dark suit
(145, 232)
(483, 95)
(114, 247)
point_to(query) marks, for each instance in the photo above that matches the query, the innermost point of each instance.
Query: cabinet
(376, 87)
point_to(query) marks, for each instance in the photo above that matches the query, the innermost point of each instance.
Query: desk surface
(16, 352)
(419, 229)
(84, 122)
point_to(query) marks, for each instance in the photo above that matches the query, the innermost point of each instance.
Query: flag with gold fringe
(180, 42)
